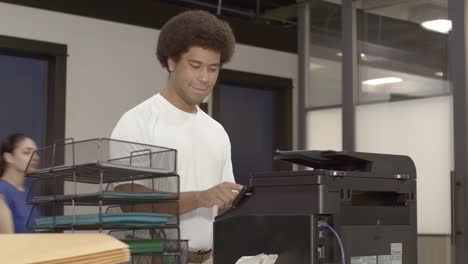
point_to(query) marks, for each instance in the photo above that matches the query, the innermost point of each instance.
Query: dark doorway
(32, 88)
(22, 102)
(32, 92)
(256, 112)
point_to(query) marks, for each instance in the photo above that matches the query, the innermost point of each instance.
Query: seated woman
(16, 151)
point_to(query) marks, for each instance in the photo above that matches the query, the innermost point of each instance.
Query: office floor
(434, 249)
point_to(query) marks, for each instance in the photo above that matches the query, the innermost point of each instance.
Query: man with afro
(192, 46)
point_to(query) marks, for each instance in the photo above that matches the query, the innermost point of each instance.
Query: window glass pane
(325, 51)
(404, 97)
(402, 49)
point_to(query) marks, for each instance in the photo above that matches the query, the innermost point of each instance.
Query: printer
(349, 207)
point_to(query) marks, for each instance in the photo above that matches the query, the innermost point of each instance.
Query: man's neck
(15, 178)
(171, 96)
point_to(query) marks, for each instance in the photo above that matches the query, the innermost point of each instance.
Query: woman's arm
(6, 219)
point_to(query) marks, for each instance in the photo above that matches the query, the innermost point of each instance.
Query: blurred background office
(385, 76)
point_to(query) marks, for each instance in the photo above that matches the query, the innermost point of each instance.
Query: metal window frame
(457, 76)
(349, 74)
(303, 55)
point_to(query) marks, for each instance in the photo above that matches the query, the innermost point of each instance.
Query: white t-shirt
(203, 154)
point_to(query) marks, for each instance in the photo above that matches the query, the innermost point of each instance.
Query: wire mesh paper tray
(165, 188)
(106, 198)
(102, 160)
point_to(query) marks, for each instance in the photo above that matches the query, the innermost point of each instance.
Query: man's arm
(221, 195)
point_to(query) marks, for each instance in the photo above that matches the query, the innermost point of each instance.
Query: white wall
(324, 129)
(423, 130)
(112, 66)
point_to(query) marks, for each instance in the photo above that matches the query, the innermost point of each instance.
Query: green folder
(145, 245)
(110, 219)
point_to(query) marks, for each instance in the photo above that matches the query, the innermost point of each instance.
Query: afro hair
(195, 29)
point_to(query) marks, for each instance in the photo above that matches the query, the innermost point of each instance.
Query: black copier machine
(353, 208)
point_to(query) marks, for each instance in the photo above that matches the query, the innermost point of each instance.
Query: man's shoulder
(149, 106)
(136, 119)
(212, 124)
(209, 120)
(143, 112)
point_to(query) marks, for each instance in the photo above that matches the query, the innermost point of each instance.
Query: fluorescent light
(314, 66)
(381, 81)
(439, 74)
(438, 25)
(339, 54)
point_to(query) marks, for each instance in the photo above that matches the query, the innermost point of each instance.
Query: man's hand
(221, 195)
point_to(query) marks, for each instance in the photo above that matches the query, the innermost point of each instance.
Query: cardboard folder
(62, 248)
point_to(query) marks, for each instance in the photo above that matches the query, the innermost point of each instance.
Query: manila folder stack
(62, 248)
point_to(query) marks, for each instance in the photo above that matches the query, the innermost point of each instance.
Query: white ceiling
(409, 10)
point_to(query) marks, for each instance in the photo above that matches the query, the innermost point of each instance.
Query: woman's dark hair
(195, 29)
(8, 146)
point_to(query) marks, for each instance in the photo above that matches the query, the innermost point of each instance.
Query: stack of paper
(259, 259)
(62, 248)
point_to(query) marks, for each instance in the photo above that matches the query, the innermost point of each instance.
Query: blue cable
(326, 225)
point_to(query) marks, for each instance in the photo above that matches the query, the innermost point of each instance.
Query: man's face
(194, 74)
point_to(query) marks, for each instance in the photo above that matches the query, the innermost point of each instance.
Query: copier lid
(327, 160)
(376, 165)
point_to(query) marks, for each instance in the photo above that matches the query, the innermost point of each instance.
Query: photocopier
(347, 207)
